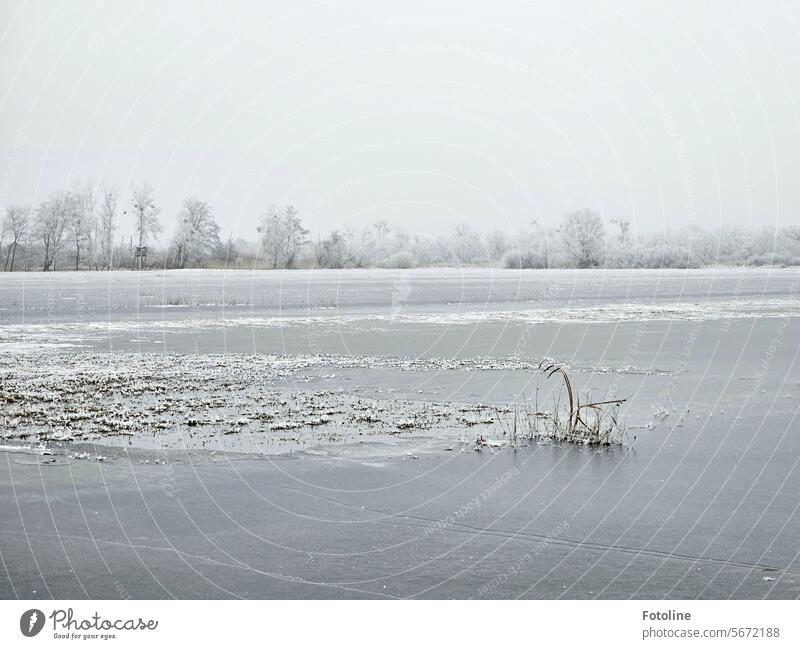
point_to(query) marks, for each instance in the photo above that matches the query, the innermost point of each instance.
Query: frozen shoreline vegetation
(265, 404)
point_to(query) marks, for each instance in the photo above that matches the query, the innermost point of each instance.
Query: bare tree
(294, 233)
(381, 228)
(272, 235)
(282, 235)
(331, 252)
(82, 221)
(467, 245)
(197, 233)
(623, 229)
(229, 252)
(545, 243)
(145, 212)
(108, 224)
(52, 219)
(583, 235)
(497, 243)
(15, 224)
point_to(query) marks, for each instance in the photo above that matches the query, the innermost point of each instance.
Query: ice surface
(176, 379)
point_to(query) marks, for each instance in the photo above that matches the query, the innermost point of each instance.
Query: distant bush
(515, 259)
(665, 256)
(523, 259)
(773, 259)
(761, 260)
(402, 259)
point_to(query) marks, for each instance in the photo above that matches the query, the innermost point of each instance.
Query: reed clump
(591, 423)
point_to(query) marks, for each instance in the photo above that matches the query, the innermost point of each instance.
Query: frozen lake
(448, 293)
(701, 500)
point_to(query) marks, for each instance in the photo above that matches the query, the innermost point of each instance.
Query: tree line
(76, 229)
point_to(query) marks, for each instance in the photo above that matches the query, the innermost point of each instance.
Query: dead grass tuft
(593, 423)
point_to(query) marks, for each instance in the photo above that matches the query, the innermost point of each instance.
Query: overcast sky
(422, 113)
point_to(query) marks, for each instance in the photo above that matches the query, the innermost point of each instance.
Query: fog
(421, 114)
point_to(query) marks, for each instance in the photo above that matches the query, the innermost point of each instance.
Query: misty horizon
(413, 115)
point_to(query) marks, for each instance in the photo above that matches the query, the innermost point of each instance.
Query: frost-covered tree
(82, 220)
(332, 251)
(196, 234)
(145, 213)
(270, 230)
(15, 225)
(497, 244)
(107, 223)
(52, 220)
(295, 235)
(282, 236)
(381, 229)
(583, 236)
(623, 226)
(377, 245)
(230, 252)
(534, 247)
(467, 245)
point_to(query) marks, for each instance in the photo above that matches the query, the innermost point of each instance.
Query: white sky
(421, 113)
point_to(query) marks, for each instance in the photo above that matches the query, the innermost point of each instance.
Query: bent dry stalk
(595, 423)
